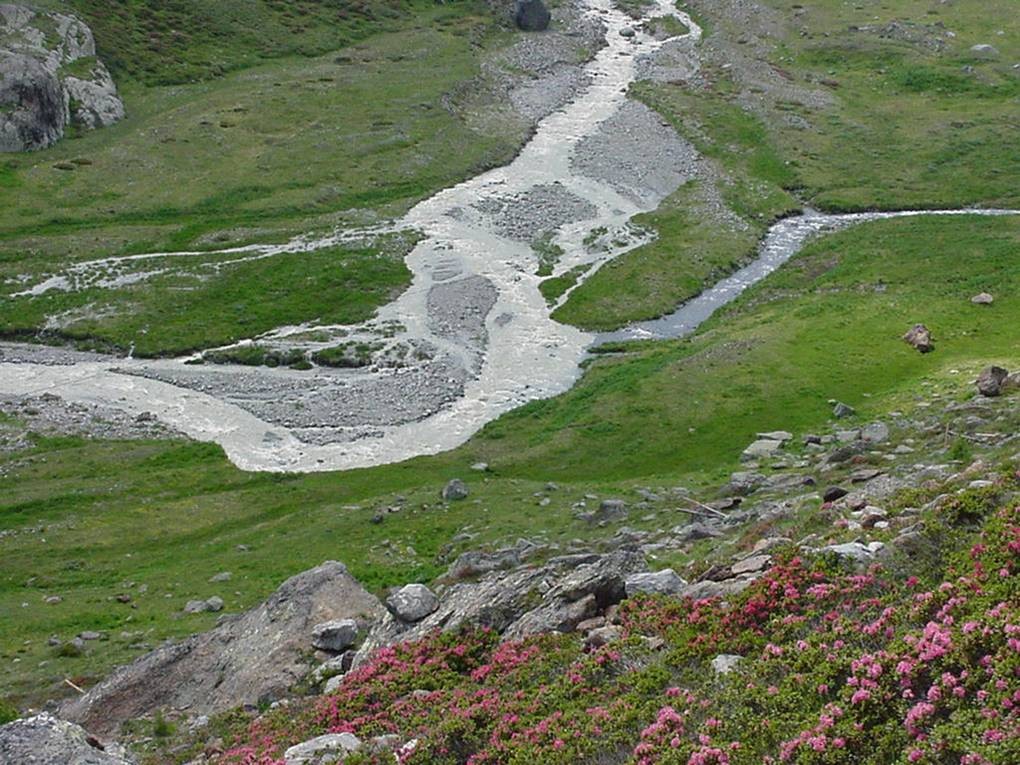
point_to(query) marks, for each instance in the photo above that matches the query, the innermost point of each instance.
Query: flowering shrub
(838, 668)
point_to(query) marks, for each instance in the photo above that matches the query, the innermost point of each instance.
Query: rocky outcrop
(47, 741)
(50, 79)
(250, 658)
(529, 600)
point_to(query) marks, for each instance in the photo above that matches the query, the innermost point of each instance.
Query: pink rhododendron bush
(838, 667)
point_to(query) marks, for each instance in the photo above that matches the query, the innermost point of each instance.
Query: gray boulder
(745, 482)
(455, 490)
(984, 51)
(664, 582)
(532, 16)
(335, 636)
(876, 432)
(413, 602)
(919, 337)
(50, 79)
(841, 411)
(989, 382)
(763, 447)
(333, 747)
(45, 740)
(249, 658)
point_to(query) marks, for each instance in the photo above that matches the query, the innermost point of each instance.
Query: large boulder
(45, 740)
(50, 79)
(250, 658)
(532, 15)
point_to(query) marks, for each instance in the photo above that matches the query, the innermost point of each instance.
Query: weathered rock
(751, 565)
(1011, 383)
(413, 602)
(989, 382)
(532, 16)
(249, 658)
(694, 531)
(833, 493)
(984, 51)
(627, 32)
(45, 740)
(876, 432)
(725, 663)
(713, 589)
(763, 447)
(335, 635)
(664, 582)
(919, 337)
(777, 435)
(333, 747)
(50, 78)
(982, 298)
(841, 411)
(745, 482)
(525, 601)
(455, 490)
(608, 510)
(855, 551)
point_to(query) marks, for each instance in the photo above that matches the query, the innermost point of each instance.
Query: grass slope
(93, 520)
(913, 121)
(263, 154)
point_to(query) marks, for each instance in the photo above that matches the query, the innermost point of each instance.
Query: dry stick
(80, 690)
(703, 506)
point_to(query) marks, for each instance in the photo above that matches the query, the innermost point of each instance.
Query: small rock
(333, 747)
(196, 607)
(455, 490)
(751, 565)
(604, 635)
(777, 435)
(919, 336)
(335, 636)
(627, 32)
(841, 411)
(214, 604)
(982, 298)
(864, 475)
(480, 467)
(876, 432)
(413, 602)
(53, 600)
(833, 493)
(989, 382)
(725, 663)
(744, 482)
(223, 576)
(90, 635)
(984, 51)
(664, 582)
(763, 447)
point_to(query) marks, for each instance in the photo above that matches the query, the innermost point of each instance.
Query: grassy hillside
(281, 148)
(845, 106)
(94, 520)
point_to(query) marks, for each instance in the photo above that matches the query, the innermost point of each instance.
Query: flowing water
(517, 354)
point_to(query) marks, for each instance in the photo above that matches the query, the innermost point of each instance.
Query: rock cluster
(46, 740)
(50, 79)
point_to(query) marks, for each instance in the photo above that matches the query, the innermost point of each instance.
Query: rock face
(532, 16)
(525, 601)
(50, 78)
(919, 336)
(47, 741)
(256, 656)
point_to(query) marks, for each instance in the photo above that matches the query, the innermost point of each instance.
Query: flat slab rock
(46, 740)
(254, 657)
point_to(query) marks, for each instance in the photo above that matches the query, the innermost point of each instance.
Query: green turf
(170, 516)
(907, 127)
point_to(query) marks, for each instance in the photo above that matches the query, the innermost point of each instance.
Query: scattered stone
(1011, 383)
(763, 447)
(919, 337)
(331, 748)
(855, 551)
(627, 32)
(841, 411)
(601, 636)
(455, 490)
(90, 635)
(480, 467)
(664, 582)
(223, 576)
(833, 493)
(196, 607)
(777, 435)
(52, 600)
(45, 740)
(864, 475)
(214, 604)
(989, 382)
(725, 663)
(876, 432)
(743, 483)
(413, 602)
(532, 16)
(694, 531)
(982, 298)
(335, 636)
(985, 52)
(751, 565)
